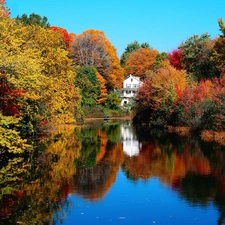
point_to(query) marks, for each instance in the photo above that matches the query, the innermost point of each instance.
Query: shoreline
(206, 135)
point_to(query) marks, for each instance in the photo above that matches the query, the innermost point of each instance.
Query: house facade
(129, 90)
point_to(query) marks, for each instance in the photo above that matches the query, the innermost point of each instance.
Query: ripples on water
(110, 173)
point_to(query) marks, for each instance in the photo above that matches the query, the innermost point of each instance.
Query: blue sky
(164, 24)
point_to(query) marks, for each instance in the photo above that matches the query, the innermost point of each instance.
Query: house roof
(130, 76)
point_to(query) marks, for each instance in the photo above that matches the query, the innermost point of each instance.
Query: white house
(129, 90)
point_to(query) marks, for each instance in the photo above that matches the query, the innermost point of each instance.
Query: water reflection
(85, 162)
(100, 161)
(131, 145)
(39, 184)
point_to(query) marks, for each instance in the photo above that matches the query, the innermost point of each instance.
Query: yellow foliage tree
(165, 81)
(34, 59)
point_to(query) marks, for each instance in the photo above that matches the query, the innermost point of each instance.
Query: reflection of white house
(130, 87)
(131, 146)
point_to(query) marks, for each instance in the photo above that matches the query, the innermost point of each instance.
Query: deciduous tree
(92, 48)
(196, 56)
(88, 84)
(140, 61)
(175, 58)
(131, 48)
(66, 37)
(34, 59)
(4, 11)
(103, 90)
(218, 55)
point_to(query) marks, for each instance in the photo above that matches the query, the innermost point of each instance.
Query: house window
(131, 79)
(128, 85)
(125, 102)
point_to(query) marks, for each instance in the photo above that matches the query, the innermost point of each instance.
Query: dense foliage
(92, 48)
(45, 79)
(188, 92)
(48, 76)
(132, 47)
(33, 19)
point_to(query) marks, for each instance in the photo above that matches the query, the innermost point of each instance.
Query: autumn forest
(48, 76)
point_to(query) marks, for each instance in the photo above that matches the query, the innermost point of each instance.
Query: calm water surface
(110, 173)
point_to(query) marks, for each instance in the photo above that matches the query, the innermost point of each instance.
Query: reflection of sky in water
(139, 203)
(131, 145)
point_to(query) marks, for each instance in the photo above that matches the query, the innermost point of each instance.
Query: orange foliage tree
(164, 82)
(103, 91)
(140, 61)
(92, 48)
(157, 95)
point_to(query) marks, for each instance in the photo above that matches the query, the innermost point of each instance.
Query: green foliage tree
(145, 45)
(113, 100)
(88, 84)
(33, 19)
(221, 25)
(218, 55)
(196, 56)
(159, 59)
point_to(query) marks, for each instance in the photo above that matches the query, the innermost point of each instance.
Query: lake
(108, 172)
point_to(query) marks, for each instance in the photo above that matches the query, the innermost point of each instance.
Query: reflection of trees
(90, 147)
(192, 169)
(92, 181)
(34, 189)
(41, 195)
(156, 160)
(200, 189)
(197, 188)
(113, 131)
(12, 173)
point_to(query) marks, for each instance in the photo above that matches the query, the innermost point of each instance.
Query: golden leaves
(165, 81)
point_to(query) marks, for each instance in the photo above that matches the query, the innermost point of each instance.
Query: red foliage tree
(9, 99)
(175, 58)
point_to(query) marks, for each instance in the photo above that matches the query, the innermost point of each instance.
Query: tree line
(188, 87)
